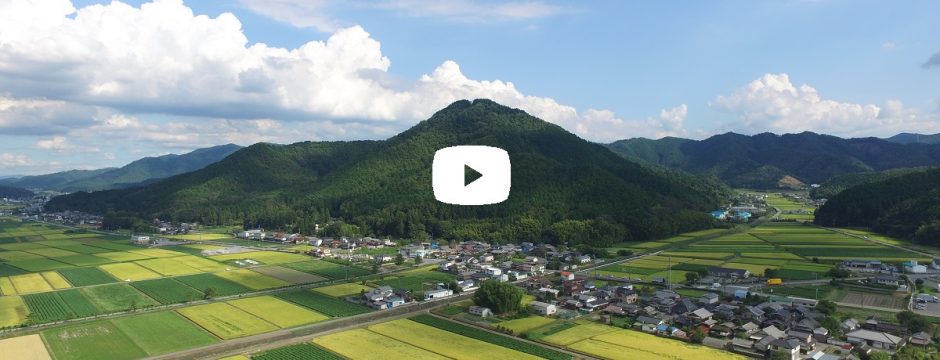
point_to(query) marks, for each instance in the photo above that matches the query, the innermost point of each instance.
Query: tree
(209, 293)
(919, 283)
(826, 307)
(375, 268)
(697, 336)
(418, 260)
(838, 273)
(624, 252)
(913, 322)
(453, 286)
(499, 296)
(770, 273)
(399, 259)
(832, 324)
(691, 277)
(879, 355)
(781, 355)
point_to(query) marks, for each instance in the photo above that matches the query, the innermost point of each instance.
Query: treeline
(906, 206)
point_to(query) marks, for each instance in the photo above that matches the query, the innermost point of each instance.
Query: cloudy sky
(88, 84)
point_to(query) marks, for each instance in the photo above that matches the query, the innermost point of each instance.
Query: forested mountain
(10, 192)
(905, 206)
(908, 138)
(140, 171)
(842, 182)
(563, 188)
(763, 160)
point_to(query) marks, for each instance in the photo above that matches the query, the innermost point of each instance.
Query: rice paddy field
(226, 321)
(29, 347)
(614, 343)
(278, 312)
(409, 339)
(523, 325)
(323, 304)
(796, 251)
(341, 290)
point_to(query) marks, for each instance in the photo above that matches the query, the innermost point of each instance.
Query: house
(253, 234)
(875, 339)
(480, 311)
(140, 239)
(567, 275)
(849, 325)
(913, 267)
(548, 294)
(437, 294)
(542, 308)
(749, 328)
(708, 298)
(920, 339)
(701, 315)
(791, 346)
(383, 259)
(726, 273)
(646, 320)
(614, 309)
(625, 294)
(892, 280)
(935, 264)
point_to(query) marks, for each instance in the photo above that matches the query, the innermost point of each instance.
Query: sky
(89, 84)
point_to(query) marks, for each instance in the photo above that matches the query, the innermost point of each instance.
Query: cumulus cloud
(772, 103)
(303, 14)
(40, 116)
(934, 61)
(162, 58)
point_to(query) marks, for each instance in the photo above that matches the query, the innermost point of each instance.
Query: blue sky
(87, 96)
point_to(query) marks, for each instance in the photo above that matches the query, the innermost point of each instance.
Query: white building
(140, 239)
(251, 234)
(437, 294)
(543, 308)
(480, 311)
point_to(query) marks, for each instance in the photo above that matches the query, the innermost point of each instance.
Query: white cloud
(14, 160)
(772, 103)
(163, 59)
(473, 11)
(40, 116)
(61, 144)
(317, 14)
(303, 14)
(888, 46)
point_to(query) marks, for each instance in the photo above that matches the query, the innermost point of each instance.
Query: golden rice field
(340, 290)
(366, 345)
(578, 333)
(267, 257)
(29, 347)
(641, 344)
(251, 279)
(56, 280)
(277, 311)
(6, 286)
(13, 311)
(444, 342)
(168, 266)
(226, 321)
(29, 283)
(129, 271)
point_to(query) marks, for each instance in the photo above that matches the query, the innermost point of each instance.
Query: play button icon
(471, 175)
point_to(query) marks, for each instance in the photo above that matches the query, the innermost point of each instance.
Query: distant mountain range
(908, 138)
(771, 161)
(564, 189)
(136, 173)
(14, 192)
(906, 206)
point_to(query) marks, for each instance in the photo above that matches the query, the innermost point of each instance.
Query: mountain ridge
(564, 187)
(139, 171)
(762, 160)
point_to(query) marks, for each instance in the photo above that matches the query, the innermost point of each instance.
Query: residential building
(542, 308)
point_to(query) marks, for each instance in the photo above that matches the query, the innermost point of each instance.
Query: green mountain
(906, 206)
(768, 160)
(10, 192)
(909, 138)
(140, 171)
(563, 188)
(842, 182)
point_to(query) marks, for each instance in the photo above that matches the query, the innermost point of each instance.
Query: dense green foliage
(140, 171)
(840, 183)
(760, 161)
(564, 187)
(11, 192)
(498, 296)
(905, 206)
(491, 338)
